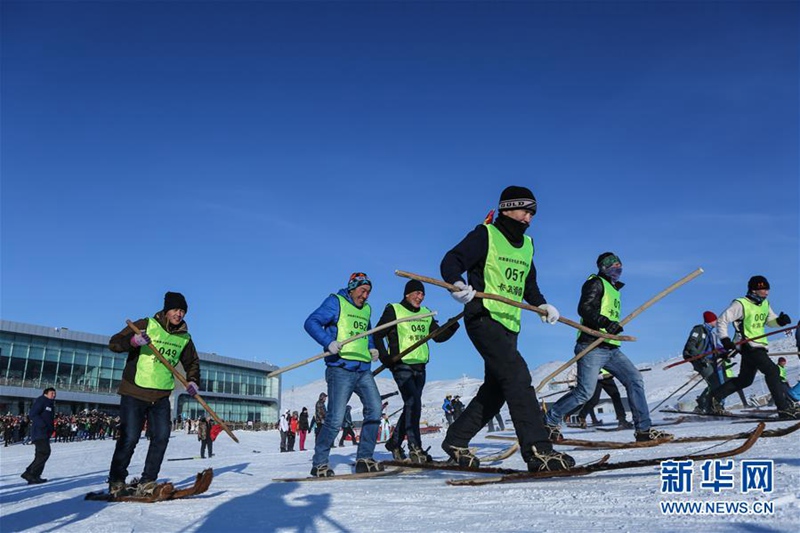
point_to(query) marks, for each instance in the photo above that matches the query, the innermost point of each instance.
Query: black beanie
(515, 197)
(757, 283)
(175, 300)
(414, 285)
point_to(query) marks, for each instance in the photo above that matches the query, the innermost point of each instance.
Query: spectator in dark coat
(42, 414)
(302, 428)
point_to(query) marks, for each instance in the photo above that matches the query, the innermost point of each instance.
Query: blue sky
(251, 155)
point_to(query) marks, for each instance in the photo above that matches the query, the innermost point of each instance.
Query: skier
(749, 315)
(703, 339)
(498, 259)
(146, 387)
(409, 372)
(599, 308)
(341, 316)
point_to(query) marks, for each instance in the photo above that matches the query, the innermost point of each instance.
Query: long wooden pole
(183, 381)
(521, 305)
(700, 356)
(346, 341)
(624, 321)
(447, 325)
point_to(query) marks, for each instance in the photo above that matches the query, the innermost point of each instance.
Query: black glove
(386, 359)
(613, 328)
(728, 344)
(783, 319)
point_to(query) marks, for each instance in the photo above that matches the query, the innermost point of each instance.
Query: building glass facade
(86, 374)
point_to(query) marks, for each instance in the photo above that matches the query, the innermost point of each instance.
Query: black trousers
(611, 389)
(755, 360)
(40, 458)
(410, 383)
(345, 432)
(507, 379)
(206, 444)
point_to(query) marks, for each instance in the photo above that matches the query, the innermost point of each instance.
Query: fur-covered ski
(164, 491)
(752, 418)
(342, 477)
(659, 424)
(521, 476)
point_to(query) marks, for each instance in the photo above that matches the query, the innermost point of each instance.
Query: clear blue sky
(251, 155)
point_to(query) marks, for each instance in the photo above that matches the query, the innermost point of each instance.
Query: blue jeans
(341, 386)
(613, 360)
(132, 415)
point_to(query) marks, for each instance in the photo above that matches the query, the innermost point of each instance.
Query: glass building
(86, 375)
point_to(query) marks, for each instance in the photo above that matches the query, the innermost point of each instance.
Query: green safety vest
(782, 370)
(413, 331)
(504, 274)
(605, 373)
(755, 316)
(150, 372)
(610, 306)
(729, 370)
(353, 321)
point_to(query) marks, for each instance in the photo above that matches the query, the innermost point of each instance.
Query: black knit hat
(757, 283)
(414, 285)
(175, 300)
(515, 197)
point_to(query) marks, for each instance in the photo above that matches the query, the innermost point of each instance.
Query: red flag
(216, 429)
(489, 217)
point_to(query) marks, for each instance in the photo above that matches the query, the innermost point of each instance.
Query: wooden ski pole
(742, 341)
(183, 381)
(420, 342)
(521, 305)
(346, 341)
(624, 321)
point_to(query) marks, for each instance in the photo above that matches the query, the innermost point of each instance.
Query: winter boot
(652, 434)
(119, 488)
(553, 433)
(146, 488)
(716, 408)
(398, 454)
(624, 424)
(581, 422)
(321, 471)
(418, 455)
(790, 413)
(364, 466)
(543, 459)
(461, 455)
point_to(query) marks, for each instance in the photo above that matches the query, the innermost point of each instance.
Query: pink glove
(140, 339)
(192, 389)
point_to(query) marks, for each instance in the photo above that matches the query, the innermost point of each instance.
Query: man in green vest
(498, 259)
(347, 370)
(409, 372)
(600, 308)
(749, 315)
(782, 370)
(146, 387)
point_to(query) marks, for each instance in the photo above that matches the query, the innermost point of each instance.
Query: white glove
(374, 353)
(464, 294)
(552, 313)
(334, 347)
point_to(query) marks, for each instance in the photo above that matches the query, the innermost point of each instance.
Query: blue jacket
(321, 325)
(42, 414)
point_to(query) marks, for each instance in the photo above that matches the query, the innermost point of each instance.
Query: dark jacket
(121, 342)
(469, 256)
(348, 418)
(389, 315)
(42, 415)
(303, 421)
(589, 308)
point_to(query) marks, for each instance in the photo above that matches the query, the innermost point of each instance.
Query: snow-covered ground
(243, 496)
